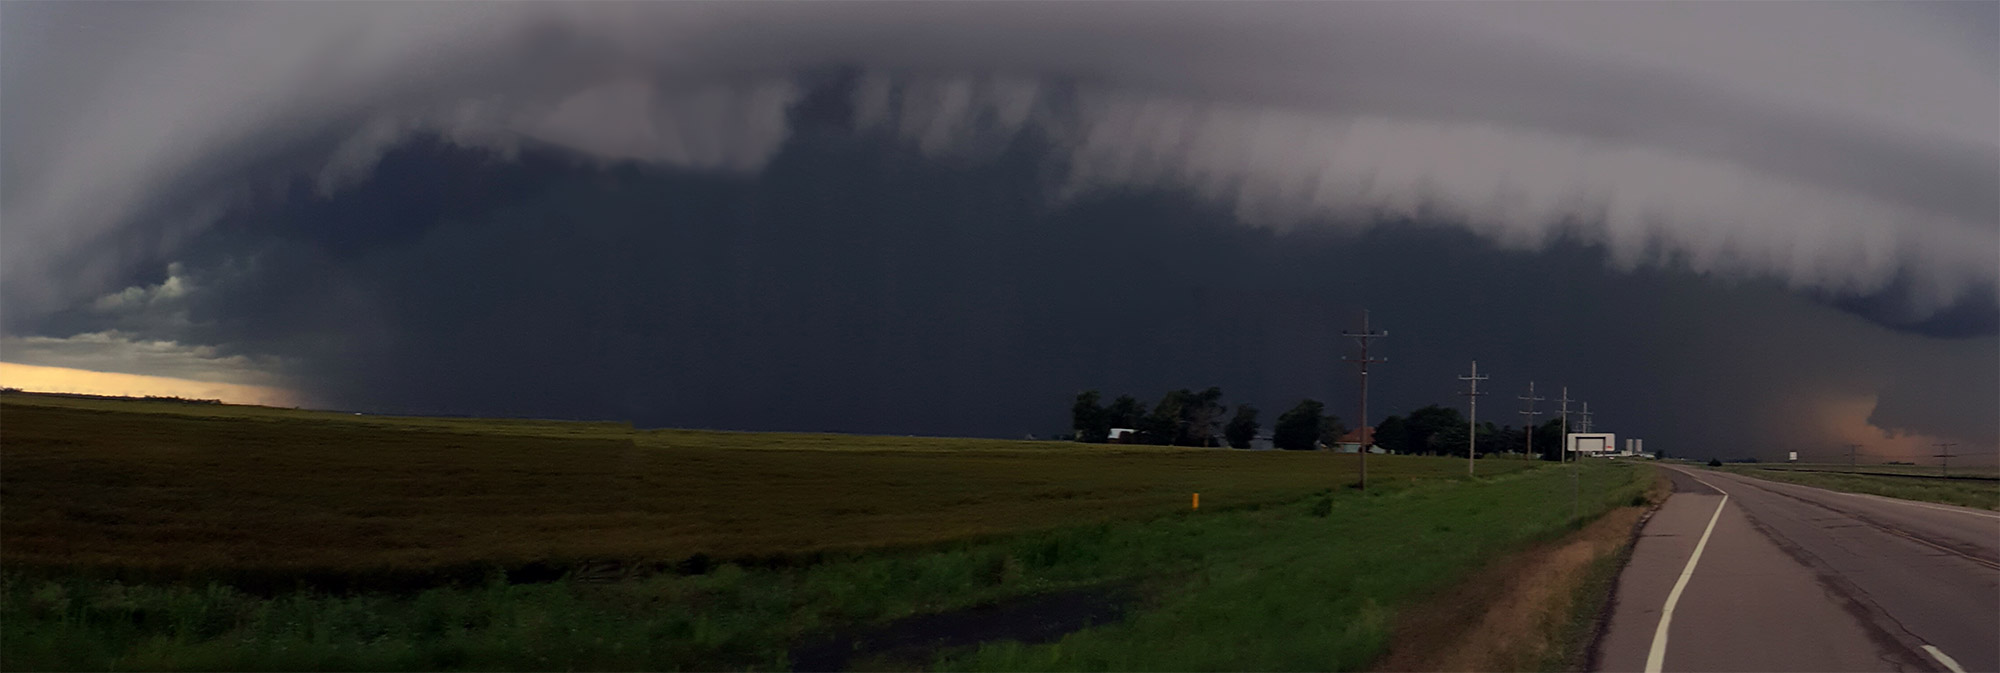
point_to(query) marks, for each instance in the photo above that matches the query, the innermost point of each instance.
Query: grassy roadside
(1302, 594)
(1533, 610)
(1310, 584)
(1965, 493)
(1577, 625)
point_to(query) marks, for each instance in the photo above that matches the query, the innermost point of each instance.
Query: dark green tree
(1490, 439)
(1549, 439)
(1092, 425)
(1392, 435)
(1448, 441)
(1424, 425)
(1297, 429)
(1202, 417)
(1243, 427)
(1167, 423)
(1126, 412)
(1505, 439)
(1331, 429)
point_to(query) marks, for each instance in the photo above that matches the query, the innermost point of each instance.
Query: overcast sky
(1780, 219)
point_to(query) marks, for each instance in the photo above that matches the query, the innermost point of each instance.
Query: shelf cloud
(1847, 148)
(1778, 218)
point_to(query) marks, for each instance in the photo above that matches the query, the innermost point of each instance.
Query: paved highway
(1741, 574)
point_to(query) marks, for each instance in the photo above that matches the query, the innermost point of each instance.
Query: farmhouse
(1355, 439)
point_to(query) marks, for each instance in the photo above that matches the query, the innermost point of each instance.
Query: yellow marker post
(1197, 501)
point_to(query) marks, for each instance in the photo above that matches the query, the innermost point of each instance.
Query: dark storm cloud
(857, 285)
(1838, 146)
(949, 218)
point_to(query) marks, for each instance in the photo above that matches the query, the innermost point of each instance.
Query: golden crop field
(172, 489)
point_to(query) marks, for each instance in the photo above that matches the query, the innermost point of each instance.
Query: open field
(1279, 587)
(1968, 492)
(194, 494)
(172, 537)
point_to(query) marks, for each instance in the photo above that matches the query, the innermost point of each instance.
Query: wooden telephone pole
(1472, 421)
(1367, 434)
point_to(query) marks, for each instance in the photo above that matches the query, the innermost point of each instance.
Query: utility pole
(1565, 419)
(1575, 482)
(1367, 433)
(1529, 415)
(1853, 450)
(1585, 418)
(1944, 452)
(1472, 421)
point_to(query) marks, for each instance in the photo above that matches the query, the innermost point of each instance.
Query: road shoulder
(1748, 605)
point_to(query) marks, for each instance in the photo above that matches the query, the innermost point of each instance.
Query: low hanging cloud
(1842, 148)
(125, 353)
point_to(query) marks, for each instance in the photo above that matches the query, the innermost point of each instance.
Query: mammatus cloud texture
(938, 218)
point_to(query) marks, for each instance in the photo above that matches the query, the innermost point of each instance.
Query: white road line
(1944, 659)
(1657, 658)
(1704, 482)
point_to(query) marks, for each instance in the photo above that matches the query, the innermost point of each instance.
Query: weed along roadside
(1537, 609)
(1265, 575)
(1316, 585)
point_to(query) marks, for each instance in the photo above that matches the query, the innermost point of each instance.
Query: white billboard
(1593, 443)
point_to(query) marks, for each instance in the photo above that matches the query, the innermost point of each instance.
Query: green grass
(1303, 593)
(1274, 587)
(201, 491)
(1959, 469)
(1967, 493)
(1570, 641)
(155, 535)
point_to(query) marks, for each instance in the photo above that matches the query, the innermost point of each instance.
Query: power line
(1529, 421)
(1944, 452)
(1472, 422)
(1584, 423)
(1367, 433)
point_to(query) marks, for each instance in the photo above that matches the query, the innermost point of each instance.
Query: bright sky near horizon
(66, 380)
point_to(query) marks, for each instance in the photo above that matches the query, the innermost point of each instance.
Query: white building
(1605, 445)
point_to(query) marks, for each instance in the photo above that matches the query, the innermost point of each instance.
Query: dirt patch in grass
(1527, 611)
(912, 641)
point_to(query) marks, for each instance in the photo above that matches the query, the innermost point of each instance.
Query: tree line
(1188, 418)
(1437, 430)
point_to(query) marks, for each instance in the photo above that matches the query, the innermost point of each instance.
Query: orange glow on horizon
(1846, 420)
(38, 378)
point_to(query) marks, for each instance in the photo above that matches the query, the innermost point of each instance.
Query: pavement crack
(1899, 644)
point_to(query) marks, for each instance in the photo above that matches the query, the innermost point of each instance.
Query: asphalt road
(1794, 578)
